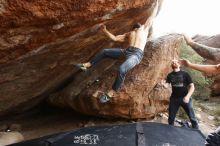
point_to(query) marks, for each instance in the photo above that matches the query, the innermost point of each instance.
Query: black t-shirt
(179, 81)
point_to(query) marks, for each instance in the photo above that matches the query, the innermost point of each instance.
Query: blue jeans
(133, 57)
(174, 105)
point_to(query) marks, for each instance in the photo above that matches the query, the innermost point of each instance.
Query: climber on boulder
(137, 39)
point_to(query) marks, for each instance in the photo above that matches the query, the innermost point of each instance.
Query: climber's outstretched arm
(118, 38)
(149, 21)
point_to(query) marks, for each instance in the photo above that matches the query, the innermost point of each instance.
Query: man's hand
(184, 62)
(103, 27)
(187, 39)
(186, 99)
(164, 84)
(155, 3)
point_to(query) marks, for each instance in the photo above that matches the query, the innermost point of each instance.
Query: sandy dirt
(49, 120)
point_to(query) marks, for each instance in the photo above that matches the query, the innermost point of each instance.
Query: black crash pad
(134, 134)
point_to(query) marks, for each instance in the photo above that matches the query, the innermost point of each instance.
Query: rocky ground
(208, 114)
(45, 121)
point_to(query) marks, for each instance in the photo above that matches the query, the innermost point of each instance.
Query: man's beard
(174, 66)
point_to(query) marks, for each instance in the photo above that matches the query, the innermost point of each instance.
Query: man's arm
(165, 84)
(189, 94)
(209, 69)
(149, 21)
(118, 38)
(203, 50)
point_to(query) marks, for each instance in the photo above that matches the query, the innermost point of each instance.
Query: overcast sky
(188, 16)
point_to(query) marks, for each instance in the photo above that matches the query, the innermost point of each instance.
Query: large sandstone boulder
(212, 56)
(41, 40)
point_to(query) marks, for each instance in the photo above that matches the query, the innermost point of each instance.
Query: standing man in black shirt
(182, 89)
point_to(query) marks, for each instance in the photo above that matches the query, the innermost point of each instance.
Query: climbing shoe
(81, 66)
(104, 98)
